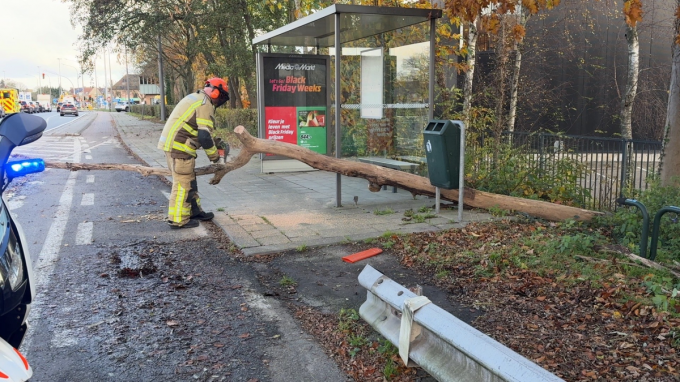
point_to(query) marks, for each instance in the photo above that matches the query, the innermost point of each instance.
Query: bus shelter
(349, 80)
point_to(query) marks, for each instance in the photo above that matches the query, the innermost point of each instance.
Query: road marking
(90, 179)
(88, 200)
(167, 194)
(49, 255)
(88, 157)
(84, 233)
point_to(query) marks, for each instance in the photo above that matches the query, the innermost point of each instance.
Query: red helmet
(216, 87)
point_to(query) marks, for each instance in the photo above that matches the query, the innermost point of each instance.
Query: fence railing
(608, 167)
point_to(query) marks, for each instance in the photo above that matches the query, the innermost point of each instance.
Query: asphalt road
(120, 296)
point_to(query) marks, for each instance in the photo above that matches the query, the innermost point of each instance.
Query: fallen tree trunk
(377, 177)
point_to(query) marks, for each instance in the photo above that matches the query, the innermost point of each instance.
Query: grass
(264, 218)
(220, 209)
(390, 370)
(287, 281)
(301, 248)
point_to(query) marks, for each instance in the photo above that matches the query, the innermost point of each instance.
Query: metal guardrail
(444, 346)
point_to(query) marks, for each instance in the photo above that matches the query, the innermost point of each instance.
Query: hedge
(224, 118)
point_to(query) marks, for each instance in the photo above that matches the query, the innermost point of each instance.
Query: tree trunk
(470, 72)
(514, 86)
(631, 82)
(377, 177)
(235, 92)
(501, 75)
(670, 157)
(250, 80)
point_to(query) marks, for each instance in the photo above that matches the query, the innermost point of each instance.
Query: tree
(670, 165)
(470, 12)
(632, 9)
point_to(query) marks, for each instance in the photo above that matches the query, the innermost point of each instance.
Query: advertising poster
(295, 90)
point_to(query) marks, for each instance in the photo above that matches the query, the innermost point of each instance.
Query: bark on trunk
(250, 80)
(670, 158)
(631, 82)
(377, 177)
(235, 94)
(470, 73)
(501, 71)
(516, 69)
(512, 112)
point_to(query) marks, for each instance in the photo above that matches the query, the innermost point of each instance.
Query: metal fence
(608, 168)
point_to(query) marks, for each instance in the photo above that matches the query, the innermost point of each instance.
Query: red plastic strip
(353, 258)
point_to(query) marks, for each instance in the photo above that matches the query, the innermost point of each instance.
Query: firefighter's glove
(216, 159)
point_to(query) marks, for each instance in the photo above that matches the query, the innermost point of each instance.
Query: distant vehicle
(9, 100)
(122, 106)
(26, 107)
(68, 108)
(36, 108)
(2, 112)
(45, 101)
(59, 106)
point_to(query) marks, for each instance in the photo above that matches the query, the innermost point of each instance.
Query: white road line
(84, 233)
(90, 179)
(49, 255)
(88, 200)
(88, 157)
(167, 194)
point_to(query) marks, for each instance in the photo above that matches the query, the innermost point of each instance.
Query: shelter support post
(338, 54)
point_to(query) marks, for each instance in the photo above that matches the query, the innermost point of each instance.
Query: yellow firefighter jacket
(189, 127)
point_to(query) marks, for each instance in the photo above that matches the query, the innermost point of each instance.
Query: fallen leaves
(578, 330)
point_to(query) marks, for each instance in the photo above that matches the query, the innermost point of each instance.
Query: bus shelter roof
(318, 29)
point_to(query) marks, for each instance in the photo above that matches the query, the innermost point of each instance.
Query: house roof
(122, 83)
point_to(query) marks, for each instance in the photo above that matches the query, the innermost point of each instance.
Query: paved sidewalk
(264, 213)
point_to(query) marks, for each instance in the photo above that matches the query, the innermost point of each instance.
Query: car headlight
(12, 264)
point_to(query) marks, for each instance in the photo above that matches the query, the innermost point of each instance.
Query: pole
(338, 53)
(161, 78)
(59, 59)
(106, 88)
(96, 86)
(432, 69)
(127, 76)
(111, 82)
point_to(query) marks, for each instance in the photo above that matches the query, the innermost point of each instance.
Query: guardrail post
(645, 222)
(655, 231)
(444, 346)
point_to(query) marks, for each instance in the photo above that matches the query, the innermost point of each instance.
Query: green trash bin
(442, 149)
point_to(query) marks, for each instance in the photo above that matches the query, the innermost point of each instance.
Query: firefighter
(189, 128)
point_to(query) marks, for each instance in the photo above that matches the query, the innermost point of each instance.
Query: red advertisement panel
(281, 123)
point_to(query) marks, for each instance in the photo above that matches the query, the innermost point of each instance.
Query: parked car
(68, 108)
(122, 106)
(26, 107)
(36, 109)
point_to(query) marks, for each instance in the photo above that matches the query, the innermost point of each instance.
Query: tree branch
(377, 177)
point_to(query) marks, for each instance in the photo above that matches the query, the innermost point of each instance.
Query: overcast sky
(36, 33)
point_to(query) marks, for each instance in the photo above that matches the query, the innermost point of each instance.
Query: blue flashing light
(24, 167)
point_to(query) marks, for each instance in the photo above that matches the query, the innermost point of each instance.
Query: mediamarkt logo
(295, 67)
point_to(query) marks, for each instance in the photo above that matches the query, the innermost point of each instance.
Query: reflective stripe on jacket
(193, 117)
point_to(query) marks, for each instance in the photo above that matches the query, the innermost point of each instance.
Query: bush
(502, 169)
